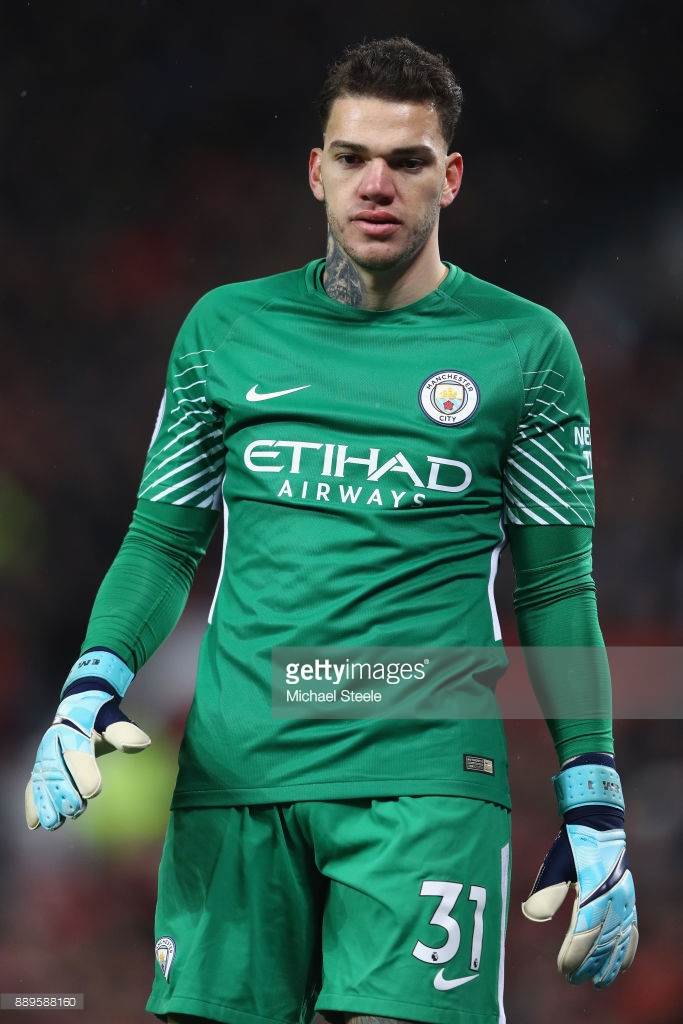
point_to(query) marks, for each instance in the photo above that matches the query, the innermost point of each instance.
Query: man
(375, 425)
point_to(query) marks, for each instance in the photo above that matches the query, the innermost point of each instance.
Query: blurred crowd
(154, 153)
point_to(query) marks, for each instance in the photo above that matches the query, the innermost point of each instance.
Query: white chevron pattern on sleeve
(543, 483)
(185, 464)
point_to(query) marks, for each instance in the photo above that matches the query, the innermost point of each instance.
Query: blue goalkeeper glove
(589, 853)
(65, 775)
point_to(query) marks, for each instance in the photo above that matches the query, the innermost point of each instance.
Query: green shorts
(394, 907)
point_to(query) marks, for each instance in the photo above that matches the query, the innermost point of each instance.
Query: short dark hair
(394, 69)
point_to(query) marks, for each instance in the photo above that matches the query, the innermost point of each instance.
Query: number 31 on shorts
(449, 893)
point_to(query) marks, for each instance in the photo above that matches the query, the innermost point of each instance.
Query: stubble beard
(379, 260)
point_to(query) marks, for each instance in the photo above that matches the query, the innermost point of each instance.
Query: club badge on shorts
(164, 952)
(449, 397)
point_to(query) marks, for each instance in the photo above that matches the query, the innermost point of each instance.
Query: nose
(377, 185)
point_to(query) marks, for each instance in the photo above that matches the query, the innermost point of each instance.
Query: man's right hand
(88, 723)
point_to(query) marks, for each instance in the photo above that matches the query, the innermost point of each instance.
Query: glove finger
(620, 942)
(543, 904)
(126, 736)
(614, 962)
(631, 949)
(604, 945)
(576, 946)
(68, 748)
(556, 874)
(65, 798)
(575, 952)
(620, 920)
(32, 819)
(48, 816)
(82, 768)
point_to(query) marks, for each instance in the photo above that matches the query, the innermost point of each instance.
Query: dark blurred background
(151, 151)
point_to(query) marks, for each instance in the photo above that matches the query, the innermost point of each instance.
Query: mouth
(377, 224)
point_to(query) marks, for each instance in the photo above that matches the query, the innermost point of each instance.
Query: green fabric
(376, 906)
(144, 592)
(556, 607)
(366, 460)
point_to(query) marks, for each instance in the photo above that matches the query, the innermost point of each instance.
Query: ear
(452, 180)
(314, 176)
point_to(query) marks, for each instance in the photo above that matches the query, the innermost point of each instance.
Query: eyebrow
(355, 147)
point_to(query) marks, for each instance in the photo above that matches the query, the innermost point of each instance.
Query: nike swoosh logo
(253, 395)
(443, 984)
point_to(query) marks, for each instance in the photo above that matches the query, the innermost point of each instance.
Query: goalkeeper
(375, 426)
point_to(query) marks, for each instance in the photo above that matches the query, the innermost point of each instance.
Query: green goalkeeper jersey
(366, 463)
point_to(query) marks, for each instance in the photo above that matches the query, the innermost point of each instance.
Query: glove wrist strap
(101, 665)
(588, 784)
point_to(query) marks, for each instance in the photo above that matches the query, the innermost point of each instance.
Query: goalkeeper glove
(65, 775)
(589, 853)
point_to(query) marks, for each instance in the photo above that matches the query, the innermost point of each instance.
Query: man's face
(384, 175)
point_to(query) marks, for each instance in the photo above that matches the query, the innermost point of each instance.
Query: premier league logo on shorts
(449, 397)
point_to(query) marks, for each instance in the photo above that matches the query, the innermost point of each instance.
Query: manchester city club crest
(164, 952)
(449, 397)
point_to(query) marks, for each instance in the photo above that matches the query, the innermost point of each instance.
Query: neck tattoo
(341, 280)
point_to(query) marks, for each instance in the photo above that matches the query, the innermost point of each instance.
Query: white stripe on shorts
(504, 866)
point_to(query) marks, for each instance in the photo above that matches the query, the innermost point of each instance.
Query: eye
(349, 159)
(412, 163)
